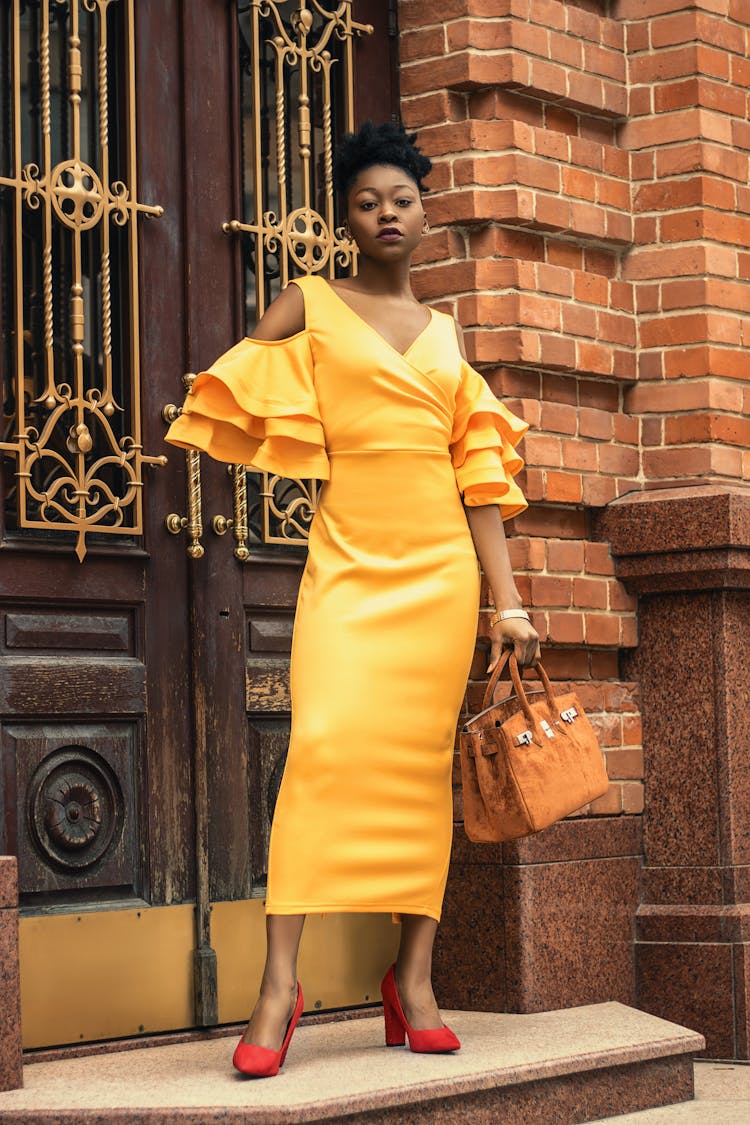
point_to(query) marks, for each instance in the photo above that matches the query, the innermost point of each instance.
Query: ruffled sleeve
(485, 434)
(256, 405)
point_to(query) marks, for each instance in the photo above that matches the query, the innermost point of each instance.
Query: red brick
(688, 461)
(625, 764)
(603, 665)
(591, 288)
(554, 279)
(620, 600)
(566, 628)
(532, 484)
(565, 555)
(579, 320)
(622, 697)
(618, 459)
(652, 431)
(563, 487)
(557, 352)
(601, 261)
(526, 553)
(602, 629)
(421, 44)
(594, 424)
(580, 455)
(559, 417)
(561, 120)
(598, 559)
(599, 491)
(558, 388)
(579, 183)
(632, 797)
(610, 803)
(598, 394)
(546, 591)
(608, 728)
(564, 664)
(626, 429)
(592, 357)
(566, 254)
(590, 593)
(552, 213)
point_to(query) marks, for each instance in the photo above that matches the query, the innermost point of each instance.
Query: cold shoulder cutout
(257, 405)
(485, 434)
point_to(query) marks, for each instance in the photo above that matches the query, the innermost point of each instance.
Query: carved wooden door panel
(302, 74)
(146, 606)
(95, 694)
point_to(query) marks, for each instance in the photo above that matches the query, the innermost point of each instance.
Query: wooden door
(147, 597)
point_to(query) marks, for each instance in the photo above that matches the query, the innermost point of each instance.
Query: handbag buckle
(569, 714)
(547, 728)
(524, 738)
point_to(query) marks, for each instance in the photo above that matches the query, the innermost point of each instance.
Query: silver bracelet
(508, 614)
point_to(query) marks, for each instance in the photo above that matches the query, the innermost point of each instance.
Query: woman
(358, 384)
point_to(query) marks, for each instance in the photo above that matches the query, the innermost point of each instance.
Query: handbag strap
(508, 658)
(497, 672)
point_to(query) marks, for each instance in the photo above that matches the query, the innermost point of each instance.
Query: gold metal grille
(297, 94)
(70, 361)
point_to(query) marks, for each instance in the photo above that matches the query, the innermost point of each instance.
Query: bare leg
(278, 988)
(414, 972)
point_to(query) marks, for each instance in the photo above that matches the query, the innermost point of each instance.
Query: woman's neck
(380, 279)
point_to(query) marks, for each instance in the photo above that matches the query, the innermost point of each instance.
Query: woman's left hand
(518, 634)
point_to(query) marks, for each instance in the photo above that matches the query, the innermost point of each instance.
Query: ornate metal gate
(69, 209)
(296, 101)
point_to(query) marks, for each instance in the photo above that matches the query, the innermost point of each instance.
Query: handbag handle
(509, 656)
(496, 674)
(515, 675)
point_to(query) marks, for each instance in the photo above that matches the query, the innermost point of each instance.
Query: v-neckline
(374, 330)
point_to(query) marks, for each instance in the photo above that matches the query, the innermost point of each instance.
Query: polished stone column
(686, 552)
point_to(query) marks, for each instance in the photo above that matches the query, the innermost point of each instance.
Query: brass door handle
(238, 523)
(192, 523)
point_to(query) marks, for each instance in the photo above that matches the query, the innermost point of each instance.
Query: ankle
(278, 984)
(413, 977)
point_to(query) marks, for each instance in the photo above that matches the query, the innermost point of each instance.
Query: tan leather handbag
(526, 763)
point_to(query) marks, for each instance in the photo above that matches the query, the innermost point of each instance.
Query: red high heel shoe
(436, 1040)
(262, 1062)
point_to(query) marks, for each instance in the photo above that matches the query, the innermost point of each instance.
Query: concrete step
(565, 1067)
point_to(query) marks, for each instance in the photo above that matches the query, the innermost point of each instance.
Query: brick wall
(591, 230)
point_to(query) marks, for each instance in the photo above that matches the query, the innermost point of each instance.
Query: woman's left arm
(488, 533)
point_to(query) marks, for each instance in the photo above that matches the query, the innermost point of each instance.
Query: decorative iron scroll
(70, 356)
(296, 63)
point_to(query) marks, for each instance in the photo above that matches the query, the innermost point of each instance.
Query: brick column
(591, 230)
(689, 138)
(520, 103)
(10, 989)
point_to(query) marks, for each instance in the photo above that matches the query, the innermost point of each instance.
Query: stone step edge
(421, 1104)
(683, 1044)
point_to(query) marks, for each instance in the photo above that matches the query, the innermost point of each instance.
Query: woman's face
(385, 213)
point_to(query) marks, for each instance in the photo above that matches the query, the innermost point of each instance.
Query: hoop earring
(426, 227)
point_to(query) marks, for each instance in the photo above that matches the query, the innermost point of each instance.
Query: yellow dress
(386, 617)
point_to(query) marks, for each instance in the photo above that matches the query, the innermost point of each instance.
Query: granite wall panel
(10, 983)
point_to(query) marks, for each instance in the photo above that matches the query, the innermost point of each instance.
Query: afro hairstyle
(372, 144)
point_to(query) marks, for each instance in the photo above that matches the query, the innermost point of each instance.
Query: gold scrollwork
(75, 436)
(306, 42)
